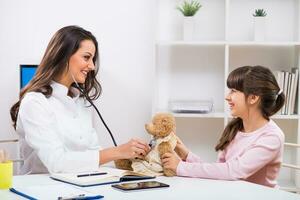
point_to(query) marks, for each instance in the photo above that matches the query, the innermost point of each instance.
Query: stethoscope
(152, 142)
(98, 112)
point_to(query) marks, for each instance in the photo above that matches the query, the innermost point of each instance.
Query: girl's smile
(231, 105)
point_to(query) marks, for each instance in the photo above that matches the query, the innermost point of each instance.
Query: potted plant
(189, 9)
(259, 24)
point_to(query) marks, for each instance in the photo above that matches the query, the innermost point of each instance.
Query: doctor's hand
(135, 148)
(181, 149)
(170, 161)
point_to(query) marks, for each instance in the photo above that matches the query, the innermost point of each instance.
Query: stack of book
(288, 82)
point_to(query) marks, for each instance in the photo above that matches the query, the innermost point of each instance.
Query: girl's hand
(181, 149)
(135, 148)
(170, 161)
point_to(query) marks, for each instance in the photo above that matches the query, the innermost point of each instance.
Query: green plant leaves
(260, 13)
(189, 8)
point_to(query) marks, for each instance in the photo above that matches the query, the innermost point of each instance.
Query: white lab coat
(56, 133)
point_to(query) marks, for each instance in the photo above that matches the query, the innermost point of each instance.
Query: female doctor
(53, 118)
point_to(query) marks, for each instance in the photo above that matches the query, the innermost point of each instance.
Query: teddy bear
(162, 128)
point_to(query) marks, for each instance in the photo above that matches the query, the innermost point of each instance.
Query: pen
(22, 194)
(92, 174)
(80, 197)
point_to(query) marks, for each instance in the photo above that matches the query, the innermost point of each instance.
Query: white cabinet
(223, 41)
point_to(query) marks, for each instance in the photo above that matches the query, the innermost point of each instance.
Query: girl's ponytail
(278, 104)
(271, 103)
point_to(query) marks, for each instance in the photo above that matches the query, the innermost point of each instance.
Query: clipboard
(58, 191)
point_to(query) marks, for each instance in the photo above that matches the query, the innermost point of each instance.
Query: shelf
(264, 43)
(230, 43)
(223, 40)
(285, 117)
(191, 43)
(195, 115)
(224, 115)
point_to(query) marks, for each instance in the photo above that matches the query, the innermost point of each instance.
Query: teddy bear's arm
(163, 148)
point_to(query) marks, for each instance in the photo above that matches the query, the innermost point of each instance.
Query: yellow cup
(6, 174)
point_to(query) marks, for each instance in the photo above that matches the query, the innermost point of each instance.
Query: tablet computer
(140, 185)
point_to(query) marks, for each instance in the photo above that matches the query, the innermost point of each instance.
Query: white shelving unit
(223, 41)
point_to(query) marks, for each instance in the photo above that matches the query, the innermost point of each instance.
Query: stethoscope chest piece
(152, 143)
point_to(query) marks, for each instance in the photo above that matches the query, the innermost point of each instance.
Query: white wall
(126, 33)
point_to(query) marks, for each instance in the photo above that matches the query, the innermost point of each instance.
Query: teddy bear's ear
(164, 124)
(169, 125)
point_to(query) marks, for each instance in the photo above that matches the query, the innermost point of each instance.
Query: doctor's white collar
(60, 90)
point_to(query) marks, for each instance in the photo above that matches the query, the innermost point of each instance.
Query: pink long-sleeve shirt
(253, 157)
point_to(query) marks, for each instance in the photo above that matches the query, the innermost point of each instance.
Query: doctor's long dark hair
(258, 81)
(61, 47)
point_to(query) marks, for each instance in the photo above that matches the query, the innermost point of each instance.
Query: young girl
(251, 145)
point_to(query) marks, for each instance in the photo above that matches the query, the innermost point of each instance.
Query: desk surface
(180, 188)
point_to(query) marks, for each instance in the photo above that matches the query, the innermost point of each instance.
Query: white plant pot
(188, 28)
(259, 28)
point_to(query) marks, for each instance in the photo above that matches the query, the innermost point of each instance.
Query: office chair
(295, 189)
(16, 160)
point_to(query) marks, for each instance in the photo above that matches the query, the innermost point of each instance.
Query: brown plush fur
(123, 164)
(163, 148)
(161, 126)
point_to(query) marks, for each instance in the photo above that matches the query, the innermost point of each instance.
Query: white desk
(180, 188)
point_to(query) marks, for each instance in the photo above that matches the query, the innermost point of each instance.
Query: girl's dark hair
(55, 61)
(258, 81)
